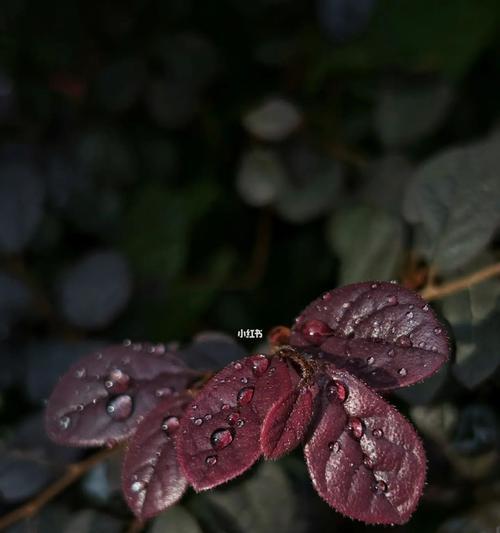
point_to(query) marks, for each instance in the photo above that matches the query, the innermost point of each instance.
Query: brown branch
(72, 474)
(434, 292)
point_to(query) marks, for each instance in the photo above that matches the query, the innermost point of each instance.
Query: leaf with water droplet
(103, 396)
(224, 445)
(287, 421)
(379, 331)
(151, 477)
(365, 459)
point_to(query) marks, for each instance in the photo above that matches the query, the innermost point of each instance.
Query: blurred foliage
(170, 167)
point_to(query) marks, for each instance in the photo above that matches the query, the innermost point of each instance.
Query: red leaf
(219, 435)
(152, 479)
(365, 459)
(287, 421)
(381, 332)
(101, 398)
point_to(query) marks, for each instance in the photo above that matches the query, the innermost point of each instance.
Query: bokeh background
(169, 167)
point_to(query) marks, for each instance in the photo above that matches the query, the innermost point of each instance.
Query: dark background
(171, 167)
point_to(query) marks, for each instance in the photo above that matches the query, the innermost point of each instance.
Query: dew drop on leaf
(315, 331)
(260, 364)
(334, 447)
(356, 426)
(245, 395)
(170, 425)
(380, 486)
(120, 407)
(211, 460)
(221, 438)
(402, 372)
(338, 390)
(198, 421)
(64, 422)
(377, 433)
(137, 486)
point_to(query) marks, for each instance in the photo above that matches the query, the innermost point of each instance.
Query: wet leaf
(364, 458)
(94, 291)
(103, 396)
(287, 421)
(219, 434)
(380, 332)
(152, 479)
(375, 253)
(452, 201)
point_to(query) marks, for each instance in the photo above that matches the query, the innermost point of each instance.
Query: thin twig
(72, 474)
(434, 292)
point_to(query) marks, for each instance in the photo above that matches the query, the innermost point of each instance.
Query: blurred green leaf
(175, 520)
(452, 201)
(407, 112)
(368, 242)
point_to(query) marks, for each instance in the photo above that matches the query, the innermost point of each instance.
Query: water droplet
(404, 340)
(402, 372)
(334, 447)
(221, 438)
(170, 425)
(346, 305)
(198, 421)
(421, 344)
(194, 407)
(80, 373)
(233, 419)
(64, 422)
(390, 353)
(165, 391)
(434, 349)
(117, 381)
(225, 406)
(425, 307)
(244, 380)
(356, 427)
(245, 395)
(374, 285)
(315, 331)
(326, 296)
(80, 407)
(207, 417)
(260, 364)
(337, 390)
(391, 299)
(370, 360)
(120, 407)
(409, 315)
(211, 460)
(437, 331)
(380, 486)
(137, 486)
(238, 366)
(378, 433)
(127, 342)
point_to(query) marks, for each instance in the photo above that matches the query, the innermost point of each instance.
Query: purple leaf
(379, 331)
(152, 479)
(287, 421)
(219, 434)
(364, 458)
(102, 397)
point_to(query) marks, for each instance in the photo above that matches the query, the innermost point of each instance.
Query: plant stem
(72, 474)
(434, 292)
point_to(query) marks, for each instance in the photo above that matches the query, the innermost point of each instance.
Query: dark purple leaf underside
(219, 434)
(364, 458)
(151, 477)
(287, 421)
(379, 331)
(102, 397)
